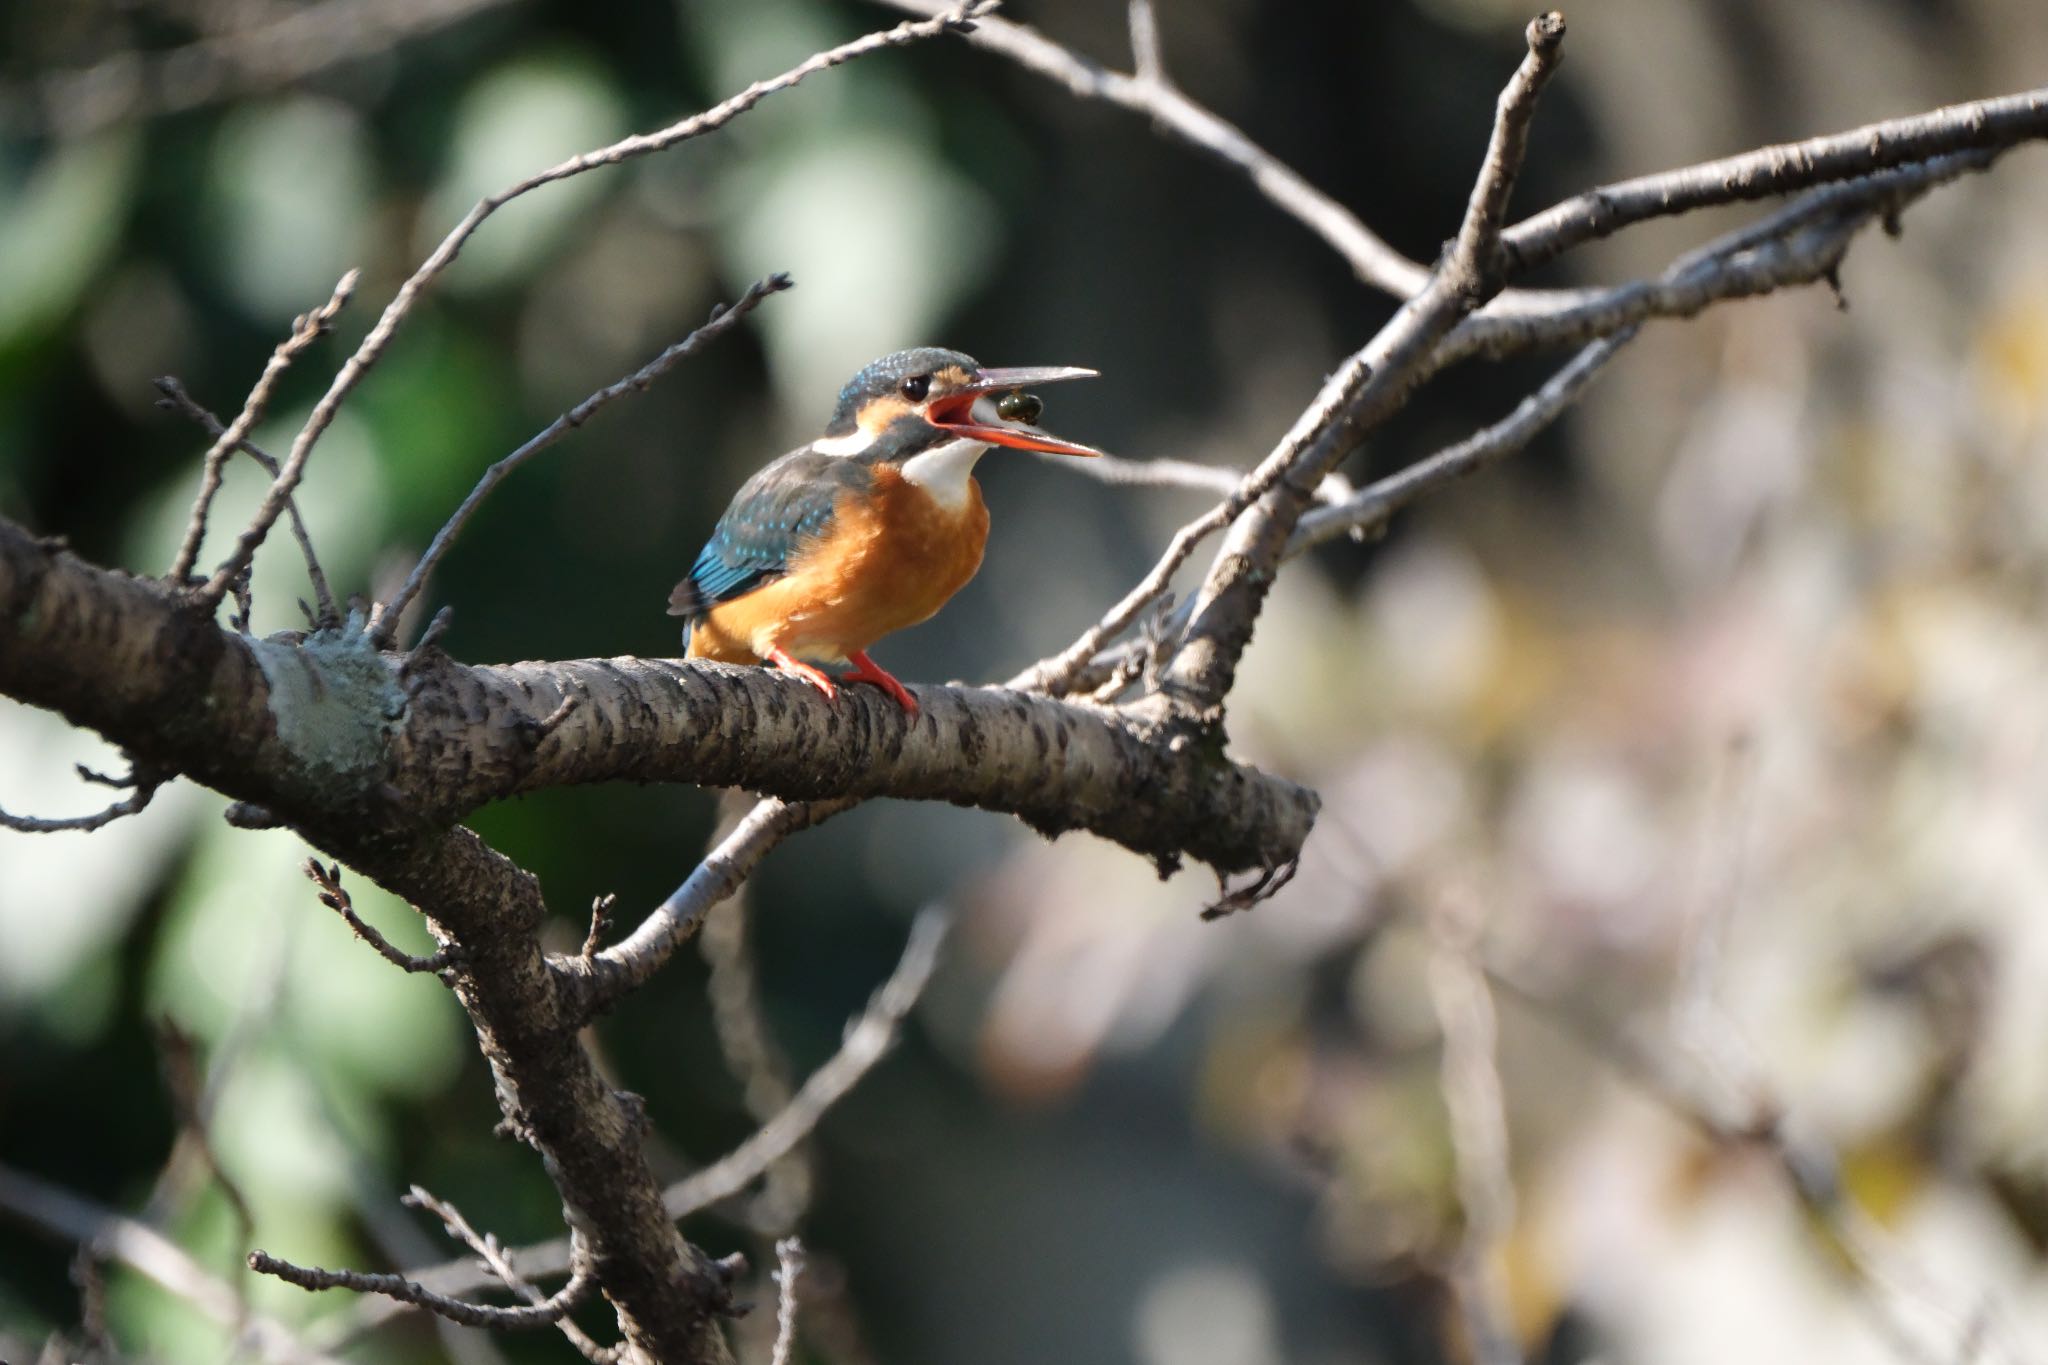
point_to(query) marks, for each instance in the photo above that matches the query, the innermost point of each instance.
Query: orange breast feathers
(890, 557)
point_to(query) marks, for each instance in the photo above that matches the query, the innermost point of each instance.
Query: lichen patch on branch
(336, 703)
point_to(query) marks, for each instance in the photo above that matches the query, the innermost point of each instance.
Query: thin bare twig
(1055, 675)
(1374, 506)
(306, 329)
(145, 783)
(335, 898)
(543, 1314)
(148, 1252)
(733, 991)
(789, 1256)
(635, 958)
(1148, 62)
(1479, 1133)
(600, 923)
(1475, 252)
(1173, 113)
(499, 1262)
(1770, 171)
(184, 1078)
(867, 1042)
(176, 398)
(384, 619)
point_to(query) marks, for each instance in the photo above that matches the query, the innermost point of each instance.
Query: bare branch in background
(867, 1042)
(1148, 63)
(1368, 513)
(300, 43)
(1119, 472)
(306, 329)
(1174, 114)
(384, 620)
(1749, 1114)
(185, 1078)
(149, 1253)
(1479, 1131)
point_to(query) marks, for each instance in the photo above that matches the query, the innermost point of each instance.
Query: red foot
(788, 663)
(867, 670)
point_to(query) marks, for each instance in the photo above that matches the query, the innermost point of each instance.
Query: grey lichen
(337, 703)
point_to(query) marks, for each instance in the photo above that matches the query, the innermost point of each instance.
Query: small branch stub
(328, 880)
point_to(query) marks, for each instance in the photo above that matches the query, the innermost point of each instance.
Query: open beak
(957, 412)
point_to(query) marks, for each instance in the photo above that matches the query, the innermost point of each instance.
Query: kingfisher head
(912, 402)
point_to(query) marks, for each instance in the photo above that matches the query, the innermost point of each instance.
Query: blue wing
(779, 511)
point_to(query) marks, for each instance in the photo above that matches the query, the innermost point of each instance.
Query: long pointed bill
(965, 415)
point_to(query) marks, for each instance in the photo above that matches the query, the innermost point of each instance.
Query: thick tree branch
(1374, 383)
(668, 1294)
(331, 727)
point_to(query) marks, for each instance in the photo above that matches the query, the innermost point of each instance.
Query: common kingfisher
(868, 529)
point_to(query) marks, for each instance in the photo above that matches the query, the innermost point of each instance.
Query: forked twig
(384, 619)
(306, 329)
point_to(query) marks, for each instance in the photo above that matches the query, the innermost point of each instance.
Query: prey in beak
(976, 412)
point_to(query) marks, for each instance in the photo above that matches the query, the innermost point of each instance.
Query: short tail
(687, 600)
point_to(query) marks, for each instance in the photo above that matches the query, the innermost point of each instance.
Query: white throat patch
(944, 471)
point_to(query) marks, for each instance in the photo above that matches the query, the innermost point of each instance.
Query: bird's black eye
(916, 387)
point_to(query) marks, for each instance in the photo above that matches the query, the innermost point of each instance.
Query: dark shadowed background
(1739, 677)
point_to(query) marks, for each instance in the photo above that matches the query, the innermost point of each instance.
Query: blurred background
(1717, 719)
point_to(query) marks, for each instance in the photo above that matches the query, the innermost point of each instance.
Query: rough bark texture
(327, 727)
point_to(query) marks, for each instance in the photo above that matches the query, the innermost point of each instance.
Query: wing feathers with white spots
(778, 512)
